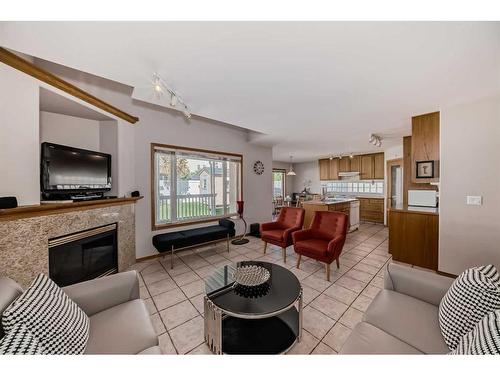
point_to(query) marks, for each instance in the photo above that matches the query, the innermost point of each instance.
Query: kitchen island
(349, 206)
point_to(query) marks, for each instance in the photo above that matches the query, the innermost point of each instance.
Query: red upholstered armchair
(324, 240)
(279, 232)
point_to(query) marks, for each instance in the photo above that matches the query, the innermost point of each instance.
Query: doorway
(394, 182)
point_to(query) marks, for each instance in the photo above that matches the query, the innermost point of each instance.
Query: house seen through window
(194, 185)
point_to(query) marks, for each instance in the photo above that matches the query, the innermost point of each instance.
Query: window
(193, 185)
(279, 183)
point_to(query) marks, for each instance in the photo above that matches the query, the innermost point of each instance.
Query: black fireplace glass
(84, 259)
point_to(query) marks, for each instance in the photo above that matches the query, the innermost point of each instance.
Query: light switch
(474, 200)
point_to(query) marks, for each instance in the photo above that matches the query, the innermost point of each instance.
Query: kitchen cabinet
(414, 237)
(371, 209)
(370, 167)
(356, 164)
(312, 206)
(324, 169)
(334, 169)
(425, 144)
(367, 167)
(344, 165)
(378, 166)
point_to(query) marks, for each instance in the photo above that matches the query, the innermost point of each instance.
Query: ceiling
(52, 102)
(310, 89)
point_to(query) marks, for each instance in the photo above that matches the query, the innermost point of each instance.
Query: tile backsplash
(347, 187)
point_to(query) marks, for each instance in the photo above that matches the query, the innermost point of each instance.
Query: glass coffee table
(257, 320)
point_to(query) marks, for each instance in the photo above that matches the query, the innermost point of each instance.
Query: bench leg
(172, 258)
(227, 243)
(265, 247)
(284, 255)
(338, 264)
(327, 269)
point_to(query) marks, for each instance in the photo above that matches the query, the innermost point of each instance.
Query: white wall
(469, 160)
(19, 136)
(69, 131)
(133, 145)
(307, 172)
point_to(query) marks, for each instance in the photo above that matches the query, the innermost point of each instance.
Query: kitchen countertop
(415, 209)
(331, 202)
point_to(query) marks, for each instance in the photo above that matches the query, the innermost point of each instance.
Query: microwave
(423, 198)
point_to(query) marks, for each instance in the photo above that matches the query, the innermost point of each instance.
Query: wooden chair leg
(265, 247)
(338, 263)
(284, 255)
(327, 267)
(298, 260)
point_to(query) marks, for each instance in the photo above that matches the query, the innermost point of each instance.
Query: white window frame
(186, 151)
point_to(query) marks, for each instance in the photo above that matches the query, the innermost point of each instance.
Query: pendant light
(291, 172)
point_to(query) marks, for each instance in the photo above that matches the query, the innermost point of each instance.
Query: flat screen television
(69, 173)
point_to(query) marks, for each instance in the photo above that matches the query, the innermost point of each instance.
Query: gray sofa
(403, 317)
(119, 319)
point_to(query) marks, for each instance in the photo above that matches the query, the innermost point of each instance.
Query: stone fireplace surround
(24, 241)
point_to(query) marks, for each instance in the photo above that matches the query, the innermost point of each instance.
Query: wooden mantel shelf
(23, 212)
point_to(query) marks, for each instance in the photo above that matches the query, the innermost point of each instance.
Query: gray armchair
(119, 319)
(403, 317)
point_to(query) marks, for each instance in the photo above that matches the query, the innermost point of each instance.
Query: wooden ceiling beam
(31, 69)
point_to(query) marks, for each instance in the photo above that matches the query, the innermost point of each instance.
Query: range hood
(348, 174)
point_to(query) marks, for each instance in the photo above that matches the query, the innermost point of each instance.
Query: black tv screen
(69, 169)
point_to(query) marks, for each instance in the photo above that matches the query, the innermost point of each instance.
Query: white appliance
(354, 216)
(423, 198)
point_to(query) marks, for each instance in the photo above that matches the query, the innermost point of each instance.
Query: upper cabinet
(367, 167)
(344, 165)
(370, 167)
(425, 146)
(328, 169)
(378, 166)
(356, 163)
(324, 169)
(334, 169)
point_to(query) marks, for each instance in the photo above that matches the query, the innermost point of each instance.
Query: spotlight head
(173, 100)
(351, 156)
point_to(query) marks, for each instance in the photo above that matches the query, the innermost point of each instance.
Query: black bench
(193, 237)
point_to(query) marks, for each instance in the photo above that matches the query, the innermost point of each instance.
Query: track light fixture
(375, 140)
(160, 88)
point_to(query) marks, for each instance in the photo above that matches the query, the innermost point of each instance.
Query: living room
(251, 188)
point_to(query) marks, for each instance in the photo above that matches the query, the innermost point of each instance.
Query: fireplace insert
(84, 255)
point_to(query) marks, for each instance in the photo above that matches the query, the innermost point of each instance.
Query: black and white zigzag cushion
(51, 316)
(475, 293)
(484, 337)
(19, 340)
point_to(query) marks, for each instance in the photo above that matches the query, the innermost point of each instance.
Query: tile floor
(331, 309)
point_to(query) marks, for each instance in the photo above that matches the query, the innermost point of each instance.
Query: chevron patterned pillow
(474, 294)
(19, 340)
(51, 316)
(484, 337)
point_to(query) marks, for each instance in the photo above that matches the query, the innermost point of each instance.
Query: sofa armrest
(269, 226)
(288, 232)
(335, 243)
(423, 285)
(301, 235)
(97, 295)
